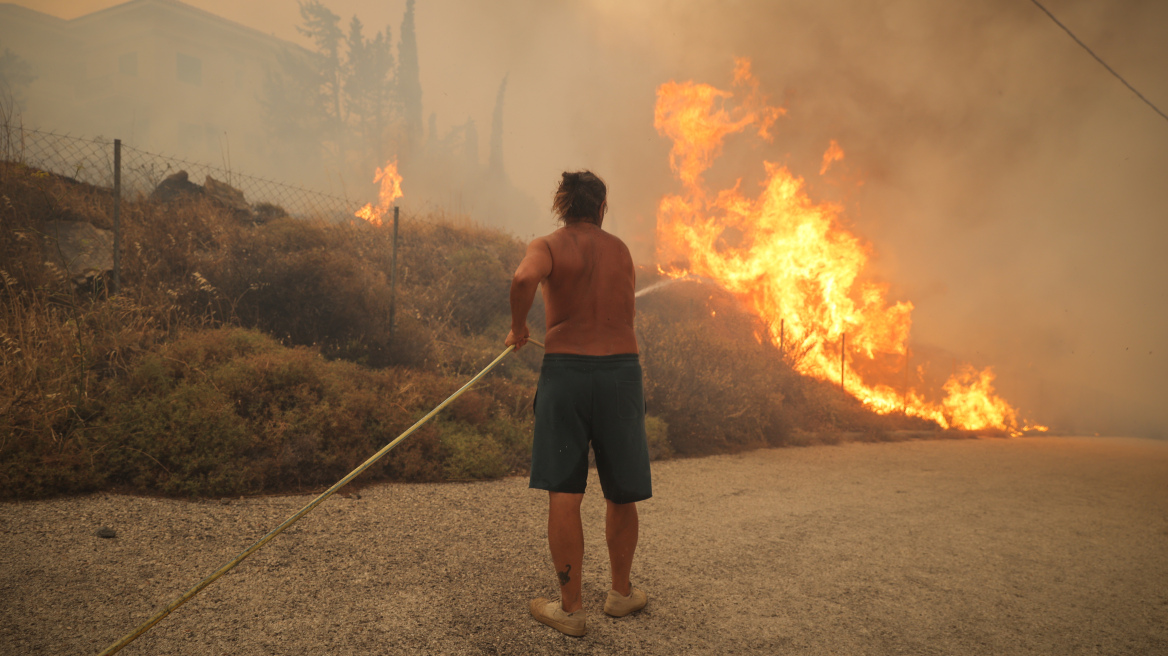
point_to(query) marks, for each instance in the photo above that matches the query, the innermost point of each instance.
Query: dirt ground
(991, 546)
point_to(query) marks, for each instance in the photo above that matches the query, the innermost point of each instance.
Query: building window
(128, 64)
(189, 69)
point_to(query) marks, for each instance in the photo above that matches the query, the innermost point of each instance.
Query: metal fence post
(393, 275)
(117, 213)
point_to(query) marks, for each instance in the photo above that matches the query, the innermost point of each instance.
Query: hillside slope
(251, 352)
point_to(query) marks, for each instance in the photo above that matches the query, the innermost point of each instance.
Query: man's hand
(518, 338)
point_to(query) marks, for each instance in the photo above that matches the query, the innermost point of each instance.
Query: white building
(161, 75)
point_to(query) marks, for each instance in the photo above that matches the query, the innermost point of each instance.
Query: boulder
(175, 186)
(179, 185)
(83, 250)
(226, 195)
(265, 212)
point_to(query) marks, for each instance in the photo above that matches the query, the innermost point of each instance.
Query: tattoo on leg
(564, 577)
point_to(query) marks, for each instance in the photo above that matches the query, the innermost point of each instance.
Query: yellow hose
(130, 637)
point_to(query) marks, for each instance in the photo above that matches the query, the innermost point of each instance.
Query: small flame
(390, 191)
(793, 264)
(972, 404)
(833, 154)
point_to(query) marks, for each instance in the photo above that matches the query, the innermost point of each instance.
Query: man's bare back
(588, 290)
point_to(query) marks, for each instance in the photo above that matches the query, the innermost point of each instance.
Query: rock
(226, 195)
(179, 185)
(106, 532)
(174, 186)
(81, 249)
(265, 212)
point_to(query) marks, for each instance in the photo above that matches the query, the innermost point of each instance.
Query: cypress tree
(408, 79)
(323, 27)
(470, 146)
(495, 161)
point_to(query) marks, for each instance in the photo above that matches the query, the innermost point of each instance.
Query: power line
(1092, 53)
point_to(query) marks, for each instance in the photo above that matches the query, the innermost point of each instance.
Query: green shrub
(469, 454)
(188, 441)
(513, 435)
(231, 411)
(657, 432)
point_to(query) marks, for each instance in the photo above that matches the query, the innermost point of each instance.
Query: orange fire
(390, 191)
(833, 154)
(792, 263)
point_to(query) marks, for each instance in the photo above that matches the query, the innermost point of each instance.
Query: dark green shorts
(595, 399)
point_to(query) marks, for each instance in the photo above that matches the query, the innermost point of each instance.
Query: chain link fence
(91, 161)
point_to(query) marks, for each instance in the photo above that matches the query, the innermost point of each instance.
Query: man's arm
(536, 265)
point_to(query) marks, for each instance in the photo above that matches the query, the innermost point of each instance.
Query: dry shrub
(306, 283)
(707, 374)
(328, 285)
(60, 345)
(455, 282)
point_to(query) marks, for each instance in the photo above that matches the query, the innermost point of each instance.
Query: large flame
(389, 191)
(791, 262)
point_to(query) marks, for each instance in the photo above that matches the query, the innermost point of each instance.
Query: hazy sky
(1012, 189)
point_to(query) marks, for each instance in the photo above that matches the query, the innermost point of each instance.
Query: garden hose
(130, 637)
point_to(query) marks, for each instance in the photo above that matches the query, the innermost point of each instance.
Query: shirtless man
(589, 392)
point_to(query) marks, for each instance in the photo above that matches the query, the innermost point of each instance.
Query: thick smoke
(1010, 187)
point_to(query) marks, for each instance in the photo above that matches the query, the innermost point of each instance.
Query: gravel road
(990, 546)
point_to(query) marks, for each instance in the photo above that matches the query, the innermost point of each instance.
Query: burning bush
(721, 385)
(789, 258)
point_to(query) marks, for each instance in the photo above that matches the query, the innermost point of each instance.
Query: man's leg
(566, 539)
(620, 529)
